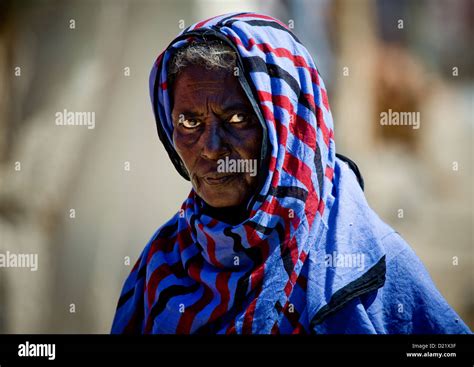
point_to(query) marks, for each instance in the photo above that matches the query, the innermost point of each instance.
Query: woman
(290, 246)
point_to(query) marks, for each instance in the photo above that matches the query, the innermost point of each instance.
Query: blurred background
(88, 200)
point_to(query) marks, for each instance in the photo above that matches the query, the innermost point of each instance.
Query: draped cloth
(311, 247)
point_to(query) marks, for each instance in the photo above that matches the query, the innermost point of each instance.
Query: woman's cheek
(182, 151)
(253, 144)
(184, 142)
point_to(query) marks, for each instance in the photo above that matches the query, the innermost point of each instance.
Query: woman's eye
(190, 123)
(238, 117)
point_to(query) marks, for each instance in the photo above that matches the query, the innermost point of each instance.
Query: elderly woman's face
(213, 119)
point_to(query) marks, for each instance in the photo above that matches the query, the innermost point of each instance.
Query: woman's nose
(213, 140)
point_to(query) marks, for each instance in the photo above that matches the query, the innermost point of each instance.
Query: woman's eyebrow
(237, 106)
(188, 113)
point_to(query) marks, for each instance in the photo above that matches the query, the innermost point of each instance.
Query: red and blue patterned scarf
(200, 275)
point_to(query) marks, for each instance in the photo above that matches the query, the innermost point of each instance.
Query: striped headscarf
(265, 275)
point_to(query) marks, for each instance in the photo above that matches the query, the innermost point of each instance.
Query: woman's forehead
(197, 84)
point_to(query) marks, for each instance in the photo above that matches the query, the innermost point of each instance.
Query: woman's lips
(218, 180)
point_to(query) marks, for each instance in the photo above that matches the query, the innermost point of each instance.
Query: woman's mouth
(218, 179)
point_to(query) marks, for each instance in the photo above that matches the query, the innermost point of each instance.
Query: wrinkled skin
(213, 119)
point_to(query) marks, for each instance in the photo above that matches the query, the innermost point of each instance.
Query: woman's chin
(222, 198)
(220, 202)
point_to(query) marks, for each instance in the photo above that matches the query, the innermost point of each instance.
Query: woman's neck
(231, 215)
